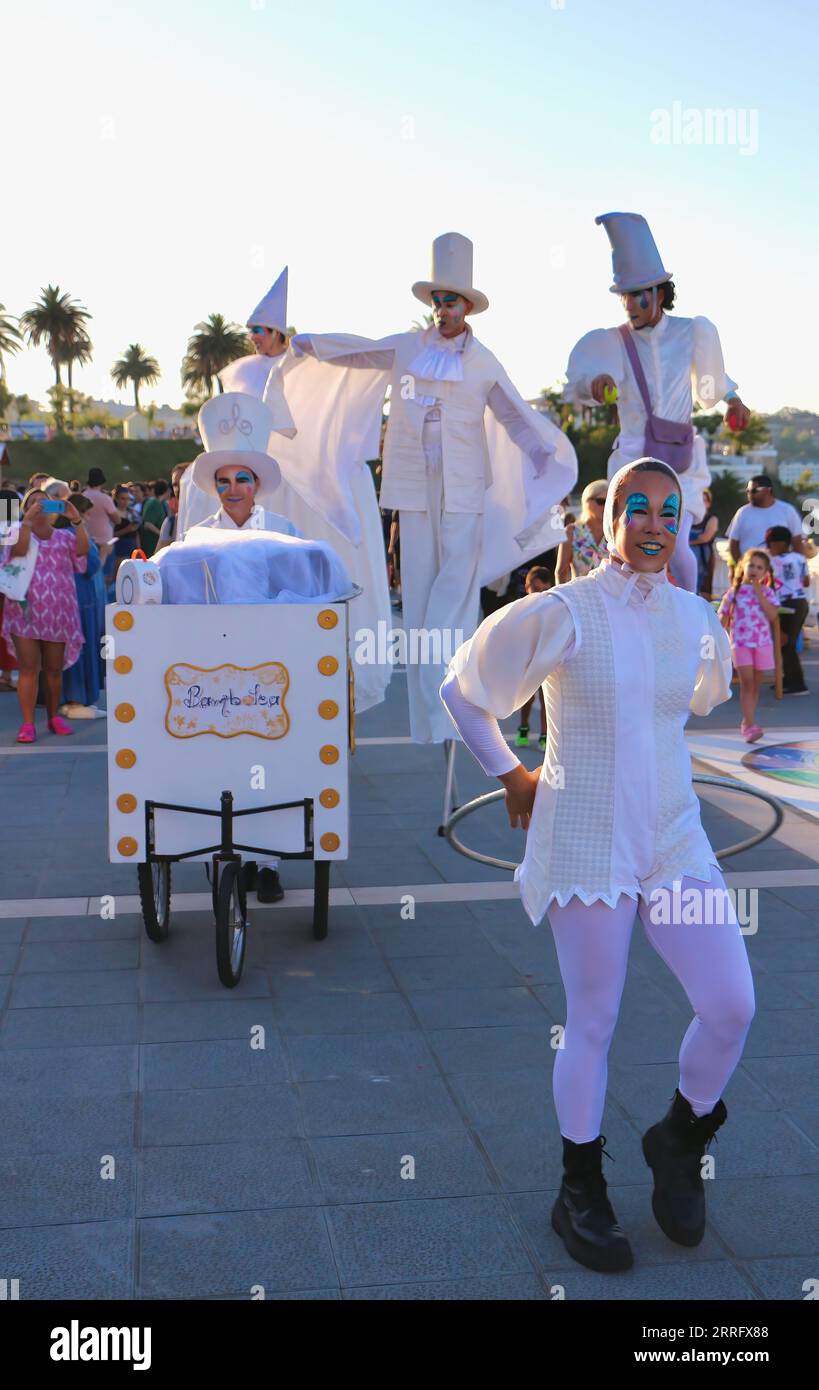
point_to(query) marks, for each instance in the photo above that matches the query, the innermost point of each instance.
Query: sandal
(27, 734)
(58, 726)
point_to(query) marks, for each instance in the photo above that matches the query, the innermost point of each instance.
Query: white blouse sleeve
(513, 651)
(709, 380)
(597, 354)
(713, 685)
(480, 731)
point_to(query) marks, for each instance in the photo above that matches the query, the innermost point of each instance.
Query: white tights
(709, 960)
(683, 564)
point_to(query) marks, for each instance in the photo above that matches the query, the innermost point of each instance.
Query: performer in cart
(475, 473)
(656, 366)
(614, 832)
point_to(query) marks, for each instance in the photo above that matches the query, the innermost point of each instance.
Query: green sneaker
(522, 737)
(541, 743)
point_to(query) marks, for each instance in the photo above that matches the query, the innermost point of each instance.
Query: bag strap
(636, 366)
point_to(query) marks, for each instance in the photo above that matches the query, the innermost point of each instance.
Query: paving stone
(508, 1288)
(766, 1216)
(181, 1066)
(72, 1262)
(89, 1025)
(31, 1124)
(477, 969)
(488, 1050)
(45, 956)
(225, 1252)
(317, 1057)
(377, 1105)
(81, 988)
(225, 1177)
(344, 1013)
(82, 1071)
(50, 1189)
(405, 1242)
(528, 1156)
(476, 1008)
(402, 1167)
(198, 980)
(784, 1278)
(199, 1020)
(220, 1115)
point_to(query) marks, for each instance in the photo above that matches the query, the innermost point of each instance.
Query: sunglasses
(244, 479)
(601, 501)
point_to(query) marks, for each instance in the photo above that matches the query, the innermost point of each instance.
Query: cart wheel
(231, 925)
(155, 896)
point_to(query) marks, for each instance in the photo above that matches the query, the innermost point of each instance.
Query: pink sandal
(27, 734)
(752, 732)
(58, 726)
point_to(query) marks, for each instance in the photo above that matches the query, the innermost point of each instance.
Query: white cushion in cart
(212, 566)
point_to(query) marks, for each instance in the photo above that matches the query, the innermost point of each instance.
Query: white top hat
(635, 260)
(235, 429)
(272, 310)
(451, 270)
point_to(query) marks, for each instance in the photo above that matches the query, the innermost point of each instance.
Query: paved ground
(396, 1136)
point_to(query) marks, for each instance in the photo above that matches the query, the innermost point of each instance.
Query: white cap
(271, 311)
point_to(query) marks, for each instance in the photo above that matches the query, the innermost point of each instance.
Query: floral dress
(50, 611)
(749, 626)
(586, 551)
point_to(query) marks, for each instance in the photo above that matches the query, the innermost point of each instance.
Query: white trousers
(440, 587)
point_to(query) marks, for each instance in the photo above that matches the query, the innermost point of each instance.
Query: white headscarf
(635, 578)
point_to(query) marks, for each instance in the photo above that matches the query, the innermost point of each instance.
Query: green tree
(55, 320)
(756, 432)
(213, 344)
(136, 367)
(11, 339)
(708, 424)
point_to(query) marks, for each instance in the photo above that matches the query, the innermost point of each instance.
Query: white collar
(629, 585)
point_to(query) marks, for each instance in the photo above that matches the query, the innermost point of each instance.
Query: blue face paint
(672, 504)
(636, 502)
(643, 301)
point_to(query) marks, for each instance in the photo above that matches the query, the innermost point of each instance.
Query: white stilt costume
(682, 362)
(302, 401)
(473, 471)
(615, 828)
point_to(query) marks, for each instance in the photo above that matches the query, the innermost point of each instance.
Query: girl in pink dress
(746, 612)
(45, 627)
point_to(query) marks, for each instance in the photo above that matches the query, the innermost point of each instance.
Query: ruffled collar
(629, 585)
(441, 359)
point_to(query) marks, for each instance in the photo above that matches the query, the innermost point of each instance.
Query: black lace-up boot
(673, 1150)
(583, 1216)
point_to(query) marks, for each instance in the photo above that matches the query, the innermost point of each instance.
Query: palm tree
(135, 366)
(55, 319)
(11, 339)
(213, 344)
(75, 347)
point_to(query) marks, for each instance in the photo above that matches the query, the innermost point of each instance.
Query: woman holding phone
(45, 626)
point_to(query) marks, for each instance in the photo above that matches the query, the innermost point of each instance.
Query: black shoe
(268, 886)
(673, 1150)
(583, 1215)
(795, 690)
(249, 875)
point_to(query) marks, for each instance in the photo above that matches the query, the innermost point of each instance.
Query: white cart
(229, 733)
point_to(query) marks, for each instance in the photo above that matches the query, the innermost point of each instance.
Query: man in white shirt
(474, 473)
(680, 358)
(750, 524)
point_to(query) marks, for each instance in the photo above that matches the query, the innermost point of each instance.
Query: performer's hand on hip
(521, 786)
(599, 385)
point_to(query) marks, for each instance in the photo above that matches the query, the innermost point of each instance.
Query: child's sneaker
(522, 737)
(541, 743)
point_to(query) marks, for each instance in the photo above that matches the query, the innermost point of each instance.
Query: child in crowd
(791, 572)
(538, 580)
(746, 612)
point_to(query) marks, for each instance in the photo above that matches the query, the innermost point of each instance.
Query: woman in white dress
(614, 830)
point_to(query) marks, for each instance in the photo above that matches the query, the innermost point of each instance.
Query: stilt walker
(614, 831)
(656, 367)
(474, 472)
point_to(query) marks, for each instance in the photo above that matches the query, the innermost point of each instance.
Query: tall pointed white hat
(451, 270)
(272, 310)
(635, 260)
(235, 429)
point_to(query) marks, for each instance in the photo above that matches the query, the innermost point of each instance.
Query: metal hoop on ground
(726, 783)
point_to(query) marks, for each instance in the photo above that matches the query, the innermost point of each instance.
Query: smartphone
(52, 505)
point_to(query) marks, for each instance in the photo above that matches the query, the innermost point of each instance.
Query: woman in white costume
(681, 360)
(614, 831)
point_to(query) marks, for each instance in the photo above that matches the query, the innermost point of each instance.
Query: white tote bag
(17, 571)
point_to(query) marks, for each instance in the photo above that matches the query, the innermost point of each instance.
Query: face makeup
(449, 312)
(671, 513)
(645, 530)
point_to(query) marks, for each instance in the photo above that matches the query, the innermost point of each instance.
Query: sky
(165, 159)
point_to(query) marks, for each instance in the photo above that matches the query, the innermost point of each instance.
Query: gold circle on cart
(328, 709)
(126, 757)
(124, 621)
(330, 840)
(328, 665)
(126, 803)
(327, 618)
(123, 665)
(124, 713)
(329, 753)
(127, 845)
(329, 797)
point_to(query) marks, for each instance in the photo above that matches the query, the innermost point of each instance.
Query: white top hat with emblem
(635, 260)
(452, 270)
(235, 429)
